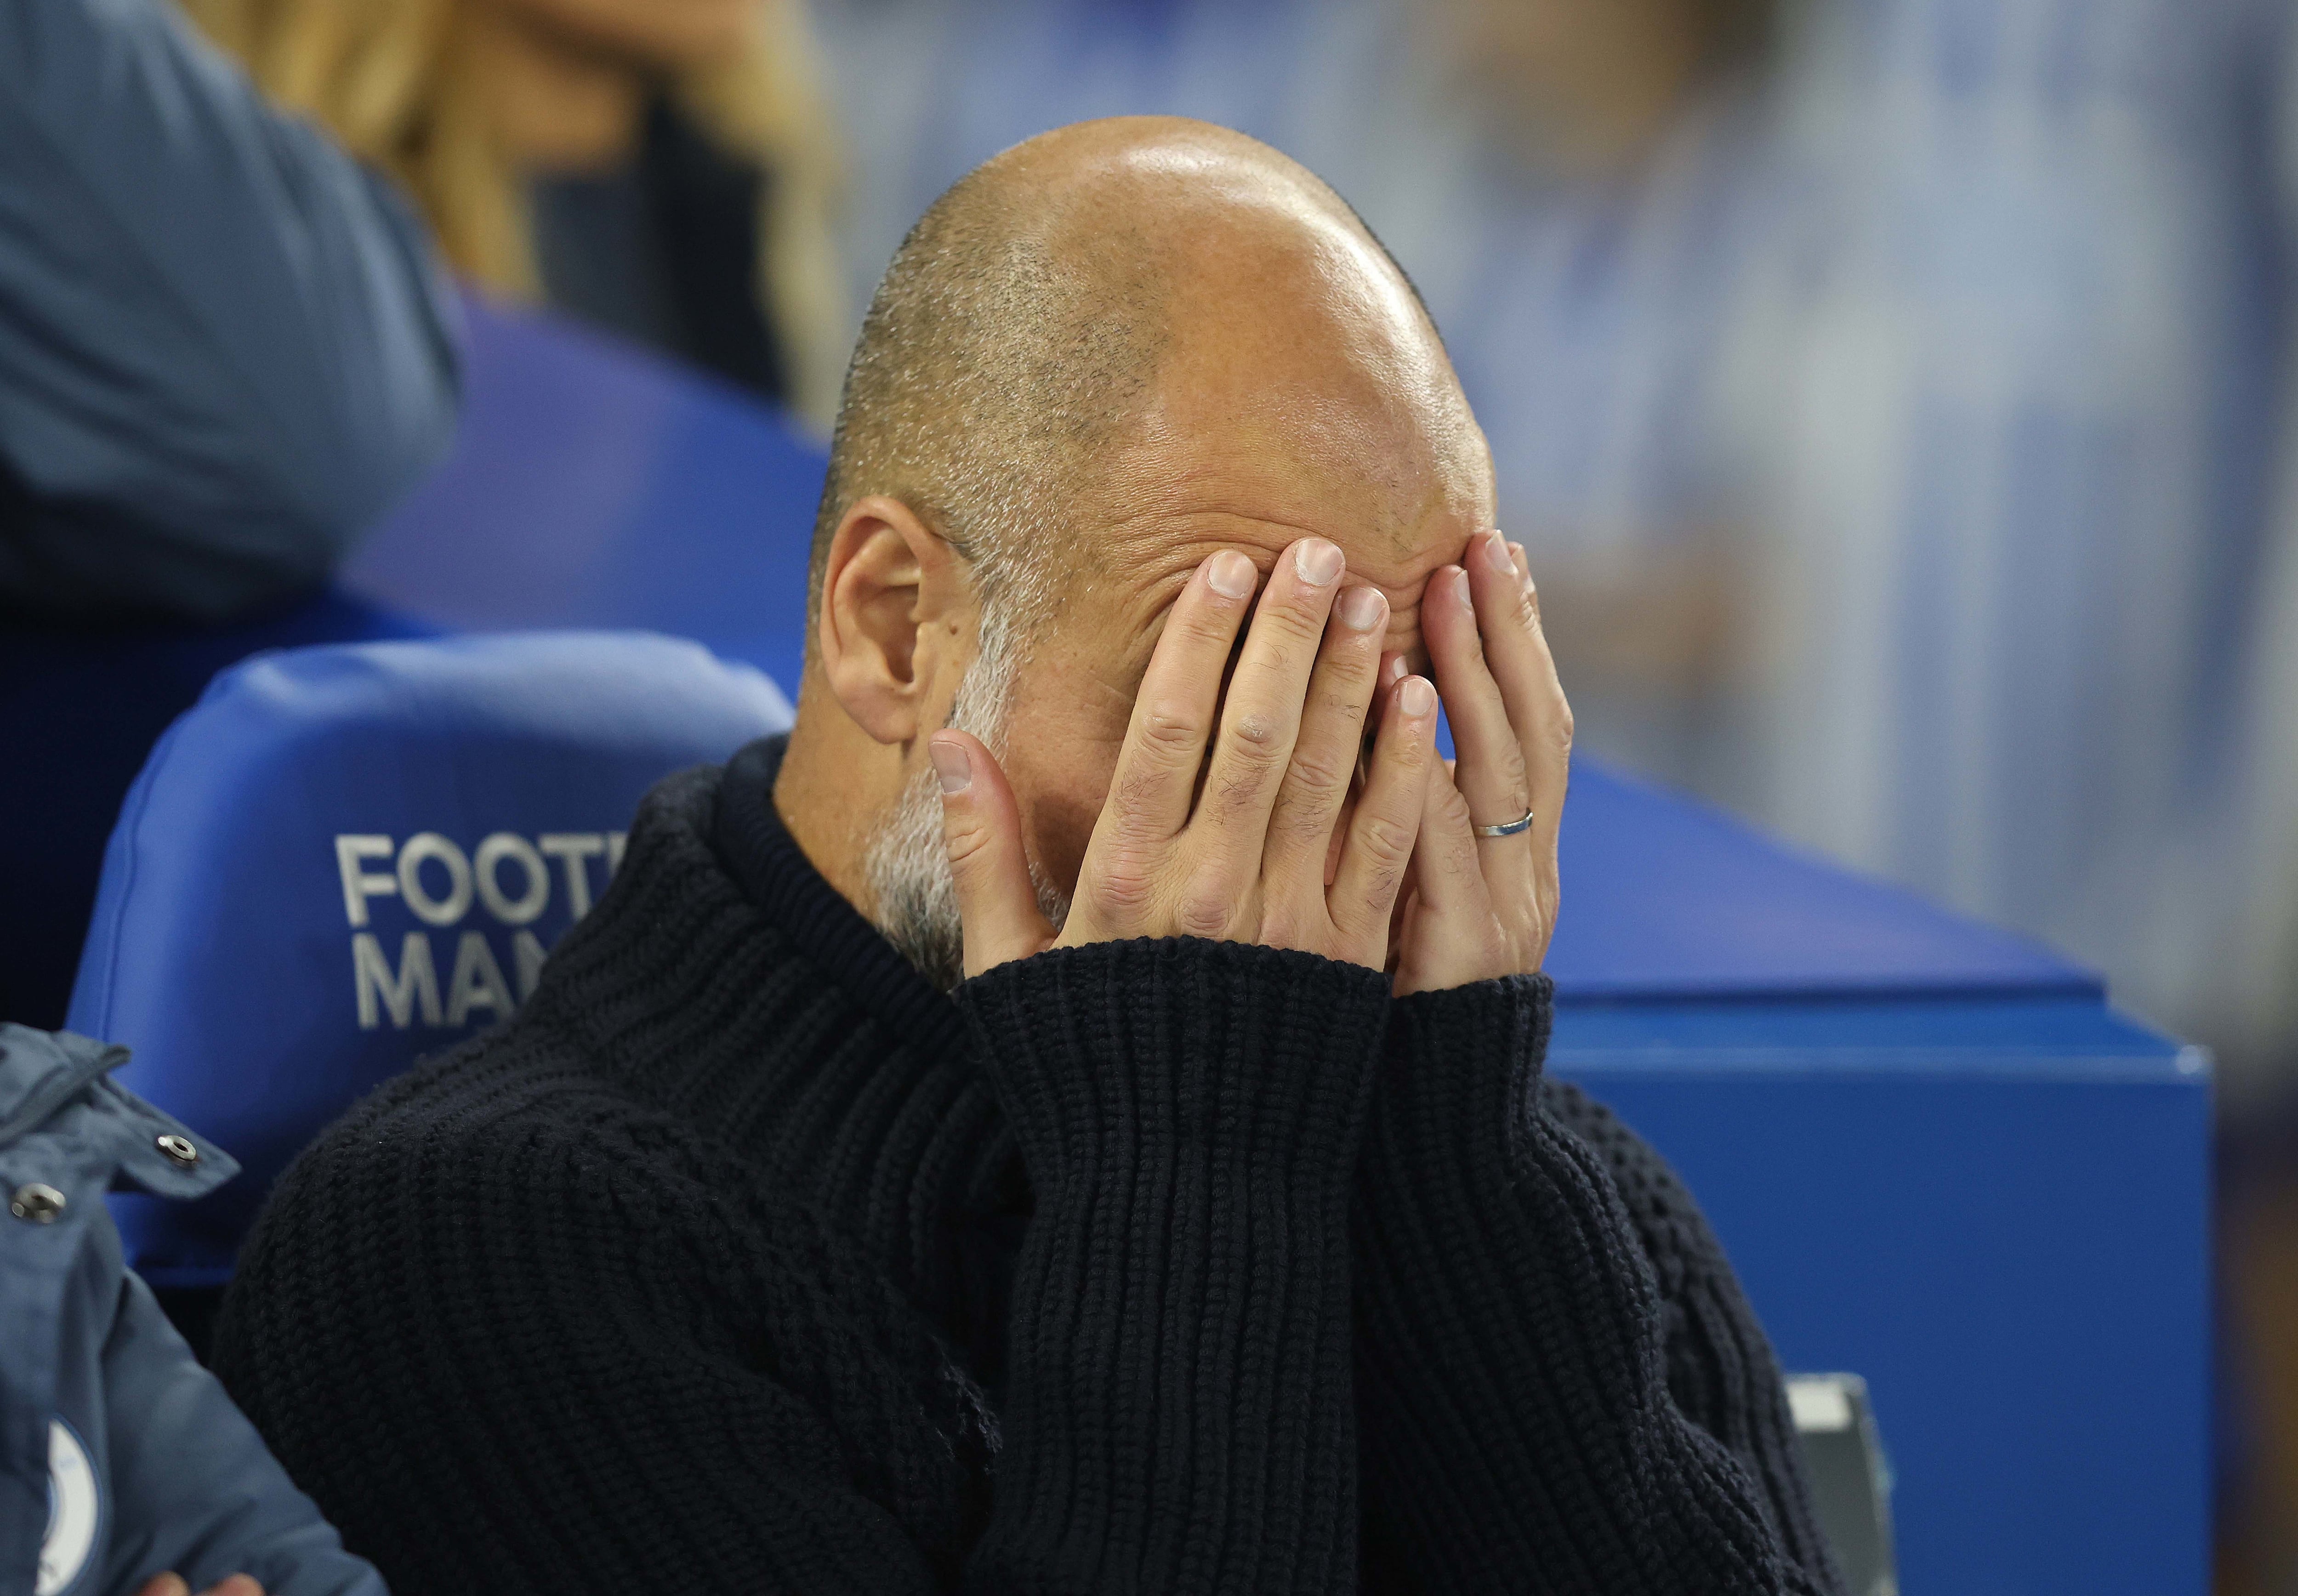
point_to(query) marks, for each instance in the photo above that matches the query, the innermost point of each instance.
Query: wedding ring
(1509, 829)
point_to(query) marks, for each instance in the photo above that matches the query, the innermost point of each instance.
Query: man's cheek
(1068, 782)
(1061, 827)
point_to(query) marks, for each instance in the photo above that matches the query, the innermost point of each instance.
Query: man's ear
(895, 600)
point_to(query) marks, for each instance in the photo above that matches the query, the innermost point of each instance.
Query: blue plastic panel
(1666, 897)
(2011, 1243)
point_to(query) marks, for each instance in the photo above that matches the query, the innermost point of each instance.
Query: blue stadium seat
(591, 484)
(346, 857)
(80, 706)
(595, 484)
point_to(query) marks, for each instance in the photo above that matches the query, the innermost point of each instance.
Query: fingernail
(1457, 580)
(1231, 574)
(1360, 608)
(1496, 555)
(953, 764)
(1318, 561)
(1415, 698)
(1393, 672)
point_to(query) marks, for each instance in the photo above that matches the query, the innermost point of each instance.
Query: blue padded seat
(344, 858)
(80, 707)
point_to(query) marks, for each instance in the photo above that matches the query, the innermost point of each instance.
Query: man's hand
(172, 1584)
(1242, 855)
(1481, 907)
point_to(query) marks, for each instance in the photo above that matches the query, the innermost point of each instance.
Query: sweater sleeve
(1179, 1413)
(1555, 1394)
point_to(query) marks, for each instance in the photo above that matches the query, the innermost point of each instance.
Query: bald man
(1070, 1118)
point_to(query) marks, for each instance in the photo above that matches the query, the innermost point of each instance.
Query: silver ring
(1509, 829)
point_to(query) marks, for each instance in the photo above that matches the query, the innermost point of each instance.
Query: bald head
(1023, 328)
(1100, 358)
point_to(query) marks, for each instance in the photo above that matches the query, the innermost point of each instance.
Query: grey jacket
(225, 347)
(120, 1456)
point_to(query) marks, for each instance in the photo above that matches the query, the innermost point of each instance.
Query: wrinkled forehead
(1304, 394)
(1299, 389)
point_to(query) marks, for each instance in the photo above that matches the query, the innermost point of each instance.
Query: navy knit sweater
(744, 1260)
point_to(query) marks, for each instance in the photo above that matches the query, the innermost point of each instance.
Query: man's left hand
(1480, 907)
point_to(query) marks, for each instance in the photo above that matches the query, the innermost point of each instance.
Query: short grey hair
(1010, 340)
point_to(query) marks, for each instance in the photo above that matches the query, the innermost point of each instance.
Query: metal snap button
(179, 1148)
(37, 1203)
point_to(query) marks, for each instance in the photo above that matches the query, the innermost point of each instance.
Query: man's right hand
(1242, 857)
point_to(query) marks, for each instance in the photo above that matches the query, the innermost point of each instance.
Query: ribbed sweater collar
(777, 877)
(724, 981)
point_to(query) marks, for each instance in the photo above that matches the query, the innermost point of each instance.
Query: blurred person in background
(2004, 389)
(224, 348)
(1569, 183)
(663, 169)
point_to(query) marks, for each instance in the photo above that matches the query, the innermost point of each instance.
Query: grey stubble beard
(907, 864)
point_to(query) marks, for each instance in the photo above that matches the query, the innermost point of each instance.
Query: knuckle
(1563, 726)
(1124, 886)
(1208, 904)
(1386, 841)
(1120, 898)
(1320, 774)
(1244, 774)
(1513, 774)
(1451, 808)
(1208, 627)
(967, 845)
(1200, 913)
(1523, 607)
(1169, 729)
(1303, 614)
(1256, 731)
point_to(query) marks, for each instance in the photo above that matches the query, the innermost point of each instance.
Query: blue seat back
(593, 483)
(80, 706)
(347, 857)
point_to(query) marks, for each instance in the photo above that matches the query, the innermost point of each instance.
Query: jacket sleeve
(169, 1475)
(224, 348)
(198, 1491)
(1556, 1393)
